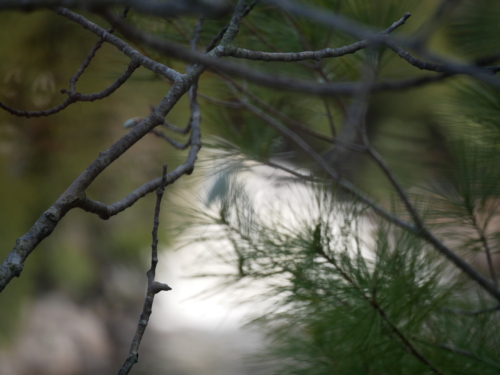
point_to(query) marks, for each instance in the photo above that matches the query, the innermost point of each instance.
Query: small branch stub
(154, 287)
(158, 287)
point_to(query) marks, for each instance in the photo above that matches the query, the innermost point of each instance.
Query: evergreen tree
(379, 248)
(355, 292)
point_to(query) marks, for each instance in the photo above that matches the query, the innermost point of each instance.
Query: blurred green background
(100, 265)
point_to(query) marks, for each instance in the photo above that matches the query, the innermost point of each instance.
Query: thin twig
(395, 183)
(74, 97)
(173, 142)
(270, 80)
(90, 56)
(223, 103)
(362, 32)
(330, 118)
(106, 211)
(146, 62)
(418, 230)
(407, 343)
(258, 35)
(354, 128)
(196, 36)
(176, 129)
(46, 112)
(345, 185)
(308, 55)
(75, 195)
(153, 288)
(317, 68)
(292, 172)
(291, 122)
(223, 30)
(216, 39)
(421, 231)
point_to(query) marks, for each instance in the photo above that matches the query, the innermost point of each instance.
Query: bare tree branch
(356, 121)
(286, 83)
(343, 184)
(309, 55)
(180, 52)
(292, 172)
(153, 288)
(406, 342)
(173, 142)
(223, 30)
(222, 103)
(75, 195)
(422, 232)
(104, 211)
(146, 62)
(74, 97)
(395, 43)
(90, 56)
(47, 112)
(291, 122)
(329, 116)
(418, 230)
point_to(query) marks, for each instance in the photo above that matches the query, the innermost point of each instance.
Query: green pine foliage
(474, 27)
(349, 293)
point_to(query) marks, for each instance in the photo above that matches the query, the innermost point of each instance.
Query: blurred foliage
(474, 26)
(348, 293)
(351, 294)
